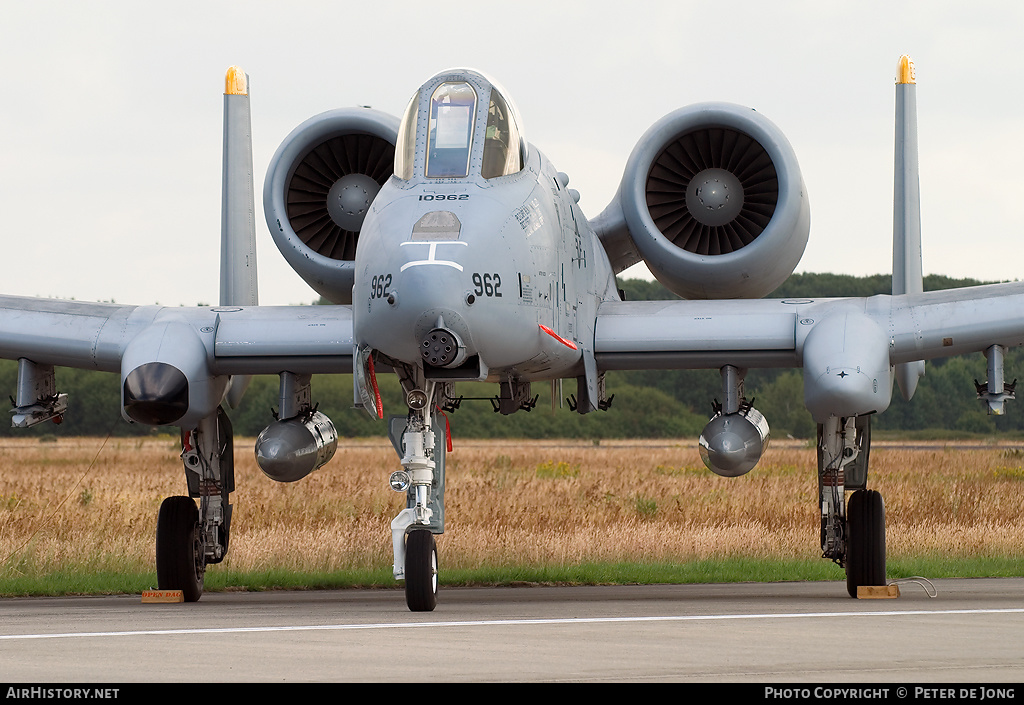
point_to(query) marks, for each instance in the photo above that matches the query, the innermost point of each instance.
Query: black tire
(865, 540)
(421, 571)
(179, 553)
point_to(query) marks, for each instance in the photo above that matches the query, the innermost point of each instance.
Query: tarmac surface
(971, 631)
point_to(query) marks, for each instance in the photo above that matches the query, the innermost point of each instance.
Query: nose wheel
(421, 480)
(421, 571)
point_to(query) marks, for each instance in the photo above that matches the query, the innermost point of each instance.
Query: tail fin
(907, 275)
(238, 284)
(238, 212)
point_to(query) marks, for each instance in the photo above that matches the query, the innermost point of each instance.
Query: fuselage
(479, 277)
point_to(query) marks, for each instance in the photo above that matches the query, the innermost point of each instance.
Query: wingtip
(236, 82)
(905, 70)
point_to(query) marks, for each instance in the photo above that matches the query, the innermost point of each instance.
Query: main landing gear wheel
(865, 557)
(179, 550)
(421, 571)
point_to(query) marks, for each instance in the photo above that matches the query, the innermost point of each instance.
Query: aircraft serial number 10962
(454, 250)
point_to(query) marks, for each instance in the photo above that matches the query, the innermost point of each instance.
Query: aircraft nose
(436, 295)
(424, 317)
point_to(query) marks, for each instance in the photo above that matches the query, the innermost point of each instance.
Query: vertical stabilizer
(238, 284)
(238, 212)
(907, 275)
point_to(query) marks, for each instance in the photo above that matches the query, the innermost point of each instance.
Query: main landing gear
(180, 562)
(865, 552)
(190, 538)
(852, 533)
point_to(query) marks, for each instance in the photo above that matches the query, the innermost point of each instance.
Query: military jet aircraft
(454, 250)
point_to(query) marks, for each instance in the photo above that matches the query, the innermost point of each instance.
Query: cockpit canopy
(446, 134)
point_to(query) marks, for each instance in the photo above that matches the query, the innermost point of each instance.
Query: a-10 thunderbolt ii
(454, 250)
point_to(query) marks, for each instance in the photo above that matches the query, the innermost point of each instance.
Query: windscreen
(452, 109)
(405, 150)
(502, 154)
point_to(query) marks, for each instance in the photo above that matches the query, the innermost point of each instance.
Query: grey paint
(907, 275)
(238, 212)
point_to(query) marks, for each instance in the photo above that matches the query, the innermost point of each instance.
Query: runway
(971, 631)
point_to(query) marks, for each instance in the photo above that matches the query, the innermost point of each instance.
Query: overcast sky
(110, 117)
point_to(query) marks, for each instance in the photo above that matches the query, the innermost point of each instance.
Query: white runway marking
(505, 622)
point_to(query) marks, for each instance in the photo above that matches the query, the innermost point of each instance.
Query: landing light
(400, 481)
(417, 399)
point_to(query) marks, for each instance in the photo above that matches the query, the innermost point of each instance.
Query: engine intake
(713, 201)
(712, 191)
(319, 187)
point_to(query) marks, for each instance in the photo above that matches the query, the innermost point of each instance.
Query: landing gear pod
(166, 377)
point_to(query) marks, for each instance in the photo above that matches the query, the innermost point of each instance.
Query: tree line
(647, 404)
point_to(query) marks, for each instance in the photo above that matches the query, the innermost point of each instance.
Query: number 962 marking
(379, 286)
(487, 284)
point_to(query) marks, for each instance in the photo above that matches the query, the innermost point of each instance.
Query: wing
(639, 335)
(846, 347)
(238, 340)
(206, 345)
(67, 333)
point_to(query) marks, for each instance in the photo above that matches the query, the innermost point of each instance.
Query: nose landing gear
(422, 479)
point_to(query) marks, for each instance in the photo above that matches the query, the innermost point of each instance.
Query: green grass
(725, 570)
(71, 582)
(946, 567)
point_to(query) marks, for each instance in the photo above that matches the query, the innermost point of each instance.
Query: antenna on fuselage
(907, 277)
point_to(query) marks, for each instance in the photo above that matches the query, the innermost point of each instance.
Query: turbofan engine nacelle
(713, 201)
(318, 189)
(290, 449)
(731, 444)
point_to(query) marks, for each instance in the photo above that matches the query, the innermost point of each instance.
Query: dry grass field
(509, 503)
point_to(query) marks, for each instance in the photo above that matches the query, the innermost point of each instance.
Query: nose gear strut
(412, 532)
